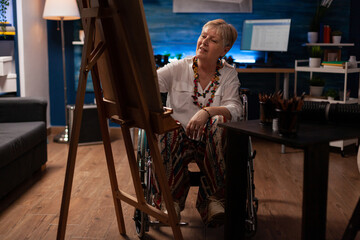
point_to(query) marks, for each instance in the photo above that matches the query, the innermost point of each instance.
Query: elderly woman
(203, 92)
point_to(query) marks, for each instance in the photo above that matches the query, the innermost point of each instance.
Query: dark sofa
(23, 140)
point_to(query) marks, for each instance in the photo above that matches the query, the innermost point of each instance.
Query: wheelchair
(142, 220)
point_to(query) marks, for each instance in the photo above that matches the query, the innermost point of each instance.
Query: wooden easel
(118, 53)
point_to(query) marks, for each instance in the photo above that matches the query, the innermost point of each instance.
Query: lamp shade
(57, 9)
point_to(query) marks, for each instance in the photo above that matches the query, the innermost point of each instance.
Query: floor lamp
(62, 10)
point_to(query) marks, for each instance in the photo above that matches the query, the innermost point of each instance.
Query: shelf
(327, 70)
(7, 37)
(311, 70)
(5, 65)
(342, 143)
(346, 70)
(77, 43)
(8, 83)
(323, 99)
(330, 44)
(324, 69)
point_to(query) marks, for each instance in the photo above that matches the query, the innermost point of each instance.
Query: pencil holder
(288, 122)
(266, 113)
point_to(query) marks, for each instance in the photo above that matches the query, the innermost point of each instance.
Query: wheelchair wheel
(251, 200)
(140, 218)
(141, 223)
(251, 220)
(251, 216)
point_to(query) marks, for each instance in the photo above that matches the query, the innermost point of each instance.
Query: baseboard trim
(48, 131)
(115, 132)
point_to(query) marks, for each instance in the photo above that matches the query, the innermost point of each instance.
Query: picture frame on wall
(332, 55)
(212, 6)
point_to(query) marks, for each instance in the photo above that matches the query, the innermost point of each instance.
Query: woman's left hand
(196, 124)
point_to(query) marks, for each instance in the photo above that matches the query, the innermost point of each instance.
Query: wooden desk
(314, 140)
(285, 71)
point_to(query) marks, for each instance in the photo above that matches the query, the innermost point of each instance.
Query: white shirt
(177, 79)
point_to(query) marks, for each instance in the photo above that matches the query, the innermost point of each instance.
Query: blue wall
(177, 33)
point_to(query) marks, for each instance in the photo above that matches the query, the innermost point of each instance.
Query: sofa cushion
(17, 138)
(22, 109)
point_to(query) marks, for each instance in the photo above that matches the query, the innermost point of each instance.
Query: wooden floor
(278, 180)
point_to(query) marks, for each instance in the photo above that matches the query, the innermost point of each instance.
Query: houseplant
(315, 54)
(336, 36)
(313, 34)
(316, 86)
(331, 94)
(315, 21)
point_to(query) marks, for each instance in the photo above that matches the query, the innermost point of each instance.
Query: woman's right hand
(195, 127)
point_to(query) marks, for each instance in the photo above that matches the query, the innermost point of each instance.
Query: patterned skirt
(177, 151)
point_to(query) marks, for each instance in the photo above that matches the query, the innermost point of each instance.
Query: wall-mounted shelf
(331, 48)
(77, 43)
(329, 44)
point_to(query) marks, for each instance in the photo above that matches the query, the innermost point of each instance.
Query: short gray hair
(226, 31)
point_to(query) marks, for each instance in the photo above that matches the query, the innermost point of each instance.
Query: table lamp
(62, 10)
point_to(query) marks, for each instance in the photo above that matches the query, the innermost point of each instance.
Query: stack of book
(333, 64)
(6, 29)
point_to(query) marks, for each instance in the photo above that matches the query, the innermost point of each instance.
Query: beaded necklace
(214, 84)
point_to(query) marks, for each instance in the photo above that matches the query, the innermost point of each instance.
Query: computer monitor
(266, 35)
